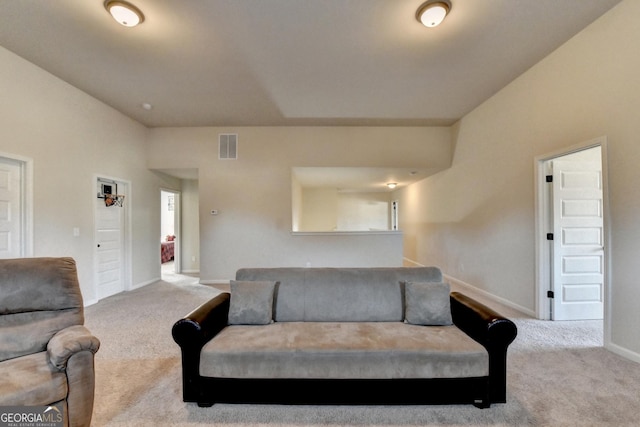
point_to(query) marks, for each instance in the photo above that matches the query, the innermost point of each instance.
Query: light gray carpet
(558, 375)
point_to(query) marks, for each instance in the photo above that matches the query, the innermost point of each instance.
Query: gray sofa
(343, 336)
(46, 353)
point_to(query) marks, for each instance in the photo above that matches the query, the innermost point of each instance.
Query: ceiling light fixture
(392, 185)
(125, 13)
(433, 12)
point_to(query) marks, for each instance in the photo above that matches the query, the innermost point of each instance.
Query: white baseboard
(490, 296)
(624, 352)
(479, 291)
(214, 282)
(141, 284)
(92, 301)
(614, 348)
(407, 262)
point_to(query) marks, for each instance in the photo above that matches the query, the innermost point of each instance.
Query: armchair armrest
(69, 341)
(490, 329)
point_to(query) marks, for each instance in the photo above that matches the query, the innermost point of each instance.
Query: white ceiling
(292, 62)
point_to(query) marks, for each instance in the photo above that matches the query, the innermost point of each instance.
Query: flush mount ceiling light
(125, 13)
(392, 185)
(433, 12)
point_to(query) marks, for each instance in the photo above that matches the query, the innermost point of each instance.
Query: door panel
(578, 249)
(109, 251)
(10, 209)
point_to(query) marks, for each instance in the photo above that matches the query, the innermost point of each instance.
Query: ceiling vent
(228, 146)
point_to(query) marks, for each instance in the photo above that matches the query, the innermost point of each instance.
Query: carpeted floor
(558, 375)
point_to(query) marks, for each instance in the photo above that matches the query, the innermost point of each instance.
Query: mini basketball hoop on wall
(108, 190)
(113, 200)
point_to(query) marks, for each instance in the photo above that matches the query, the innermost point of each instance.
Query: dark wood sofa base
(345, 391)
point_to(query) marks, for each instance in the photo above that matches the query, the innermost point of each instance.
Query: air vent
(228, 146)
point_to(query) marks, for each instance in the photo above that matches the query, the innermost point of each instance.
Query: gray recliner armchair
(46, 353)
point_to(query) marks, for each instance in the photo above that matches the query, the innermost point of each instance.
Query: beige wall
(327, 209)
(476, 219)
(319, 209)
(253, 194)
(362, 211)
(71, 137)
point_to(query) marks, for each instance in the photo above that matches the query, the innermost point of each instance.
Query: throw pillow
(251, 302)
(428, 303)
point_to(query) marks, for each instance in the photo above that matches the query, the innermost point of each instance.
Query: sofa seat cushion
(343, 350)
(30, 380)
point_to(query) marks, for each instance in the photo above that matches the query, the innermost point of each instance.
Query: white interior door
(110, 232)
(11, 217)
(578, 241)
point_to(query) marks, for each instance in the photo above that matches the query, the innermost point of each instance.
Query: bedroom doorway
(16, 207)
(572, 234)
(170, 232)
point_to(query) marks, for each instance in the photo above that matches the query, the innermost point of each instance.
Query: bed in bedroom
(166, 251)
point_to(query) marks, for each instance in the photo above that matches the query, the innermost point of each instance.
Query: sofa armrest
(192, 332)
(480, 322)
(69, 341)
(490, 329)
(198, 327)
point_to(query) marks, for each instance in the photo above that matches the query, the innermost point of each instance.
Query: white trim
(145, 283)
(177, 227)
(214, 282)
(477, 290)
(127, 275)
(88, 302)
(542, 310)
(28, 238)
(489, 295)
(133, 287)
(621, 351)
(26, 194)
(345, 233)
(410, 261)
(608, 312)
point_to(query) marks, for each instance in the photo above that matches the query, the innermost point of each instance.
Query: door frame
(542, 251)
(26, 202)
(177, 227)
(127, 241)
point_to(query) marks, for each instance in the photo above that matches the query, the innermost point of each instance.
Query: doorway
(572, 233)
(112, 234)
(170, 232)
(16, 206)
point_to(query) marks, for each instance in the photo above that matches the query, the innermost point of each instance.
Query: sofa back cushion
(38, 297)
(340, 294)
